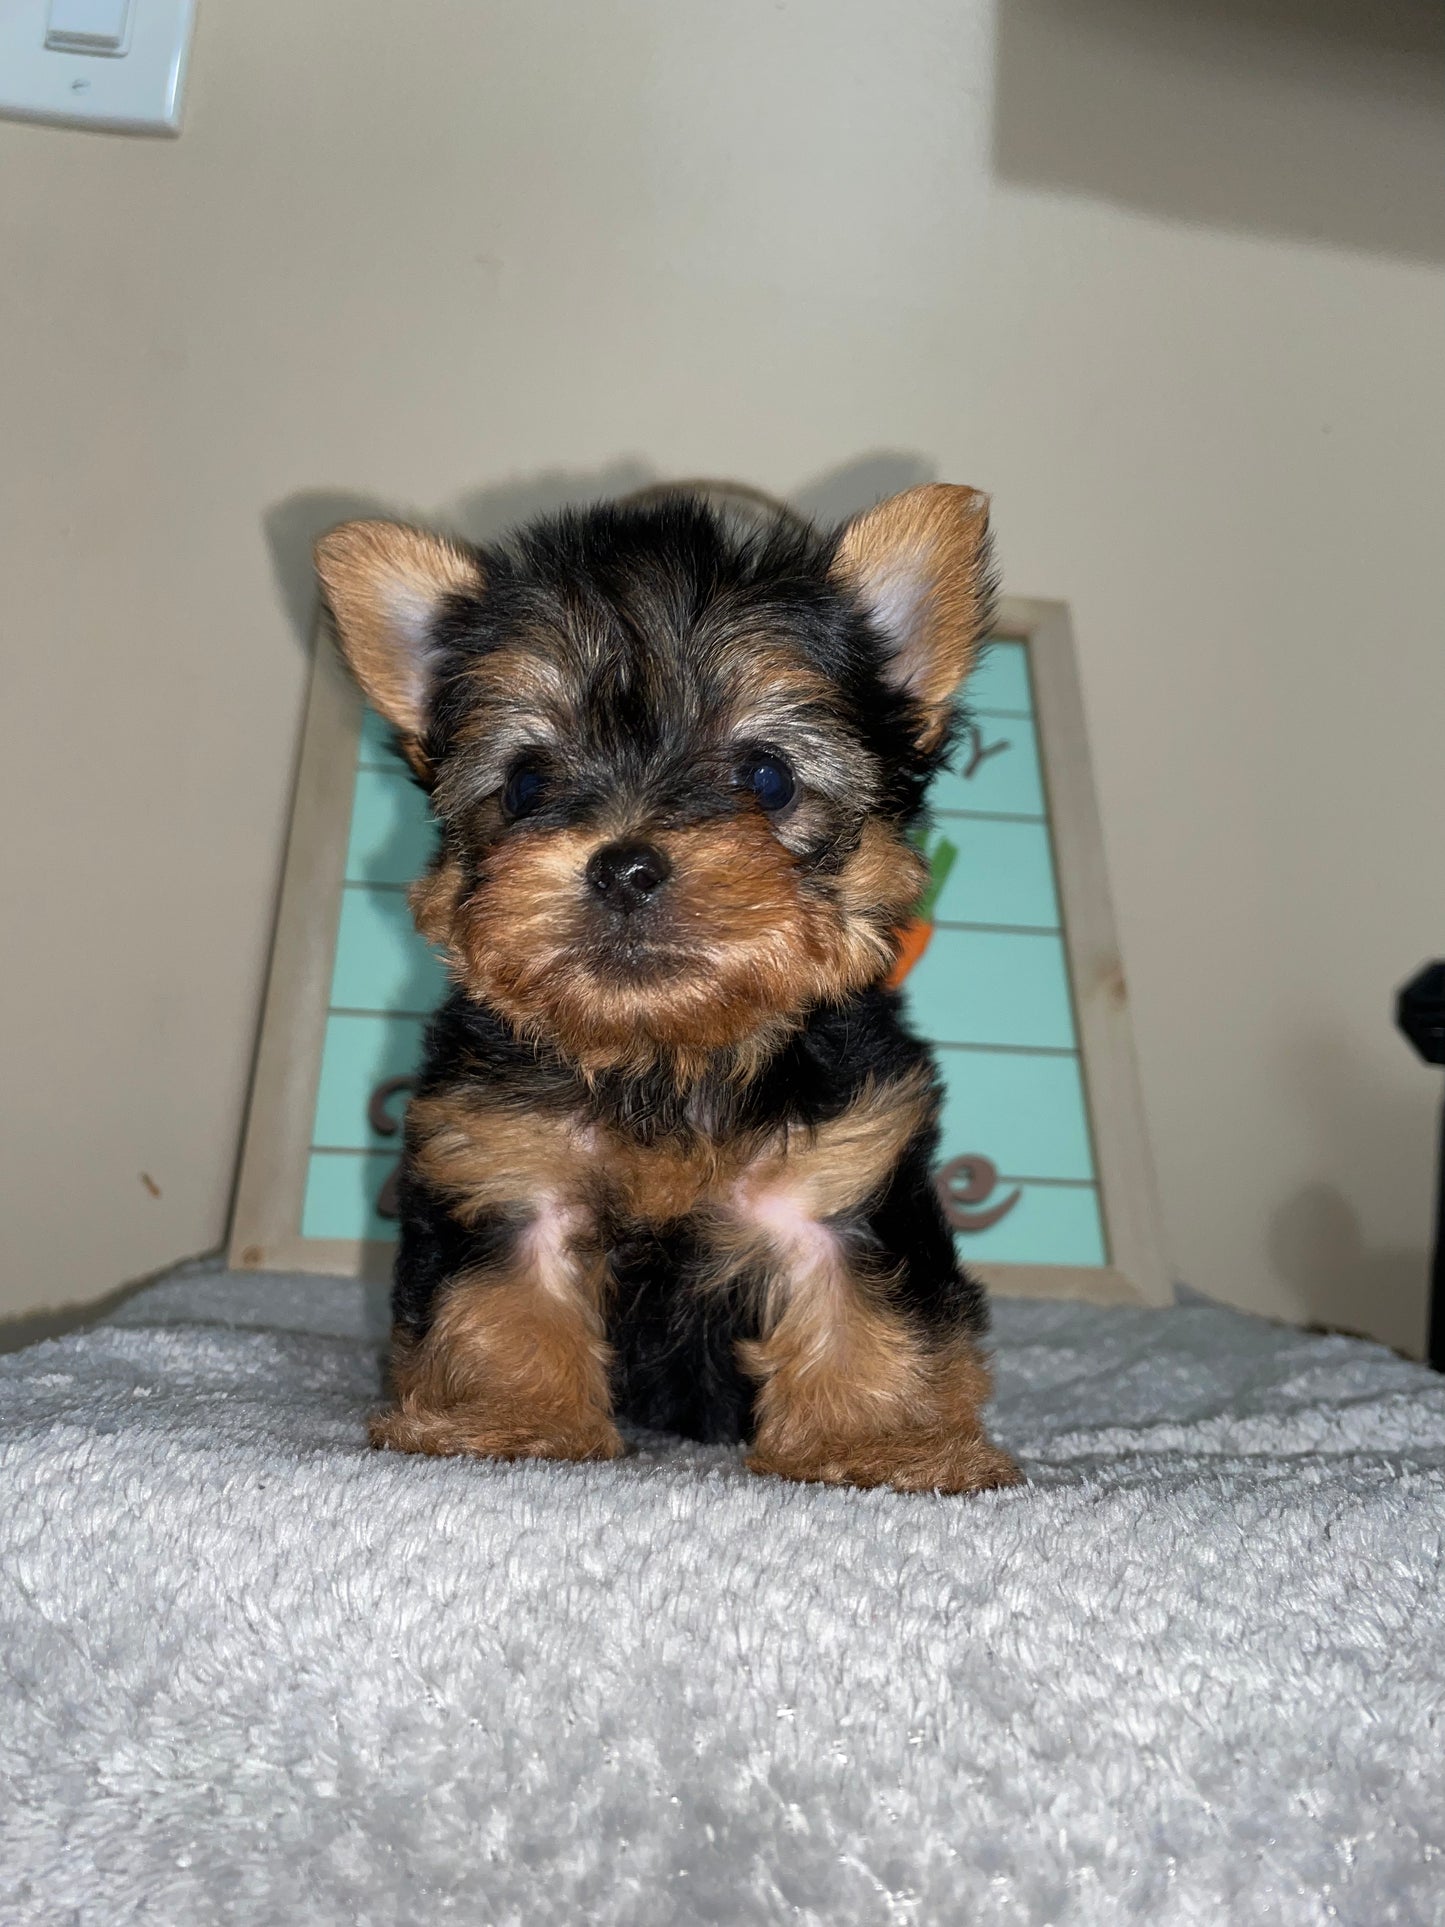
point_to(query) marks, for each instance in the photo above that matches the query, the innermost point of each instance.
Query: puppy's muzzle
(627, 875)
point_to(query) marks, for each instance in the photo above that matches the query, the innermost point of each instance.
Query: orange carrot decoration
(912, 942)
(914, 937)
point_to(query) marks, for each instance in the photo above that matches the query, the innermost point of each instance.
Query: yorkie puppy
(669, 1153)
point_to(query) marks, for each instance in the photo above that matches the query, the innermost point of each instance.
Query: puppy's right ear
(385, 585)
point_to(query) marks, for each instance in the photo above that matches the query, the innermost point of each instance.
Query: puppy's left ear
(920, 565)
(385, 585)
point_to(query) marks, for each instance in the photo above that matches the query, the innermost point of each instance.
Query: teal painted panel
(375, 747)
(992, 987)
(341, 1193)
(392, 829)
(1003, 873)
(381, 963)
(358, 1054)
(1025, 1113)
(1052, 1224)
(1000, 684)
(1006, 781)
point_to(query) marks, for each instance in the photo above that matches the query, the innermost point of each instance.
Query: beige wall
(1165, 278)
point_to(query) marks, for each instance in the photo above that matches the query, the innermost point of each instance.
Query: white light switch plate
(134, 92)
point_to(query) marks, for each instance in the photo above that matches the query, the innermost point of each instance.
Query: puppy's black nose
(626, 874)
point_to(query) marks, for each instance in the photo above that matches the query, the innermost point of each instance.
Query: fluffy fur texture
(669, 1155)
(251, 1673)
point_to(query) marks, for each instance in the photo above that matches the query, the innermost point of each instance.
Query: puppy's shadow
(480, 515)
(842, 492)
(1322, 1242)
(483, 514)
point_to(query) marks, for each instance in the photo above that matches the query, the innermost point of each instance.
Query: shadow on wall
(1316, 1246)
(292, 525)
(1316, 120)
(482, 515)
(1316, 1241)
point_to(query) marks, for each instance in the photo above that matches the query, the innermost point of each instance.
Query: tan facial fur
(743, 941)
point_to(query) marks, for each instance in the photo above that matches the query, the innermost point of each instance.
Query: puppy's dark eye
(770, 779)
(525, 791)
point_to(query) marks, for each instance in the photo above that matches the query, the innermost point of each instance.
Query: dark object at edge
(1420, 1013)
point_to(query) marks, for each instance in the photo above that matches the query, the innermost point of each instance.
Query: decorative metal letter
(969, 1181)
(385, 1125)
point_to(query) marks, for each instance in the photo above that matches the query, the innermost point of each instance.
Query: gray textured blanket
(252, 1672)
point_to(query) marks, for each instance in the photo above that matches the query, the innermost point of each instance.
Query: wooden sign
(1010, 968)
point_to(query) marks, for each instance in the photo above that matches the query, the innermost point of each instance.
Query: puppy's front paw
(909, 1462)
(481, 1433)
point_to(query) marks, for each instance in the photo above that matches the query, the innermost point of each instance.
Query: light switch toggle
(88, 26)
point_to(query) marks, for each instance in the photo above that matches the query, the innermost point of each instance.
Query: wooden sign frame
(266, 1222)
